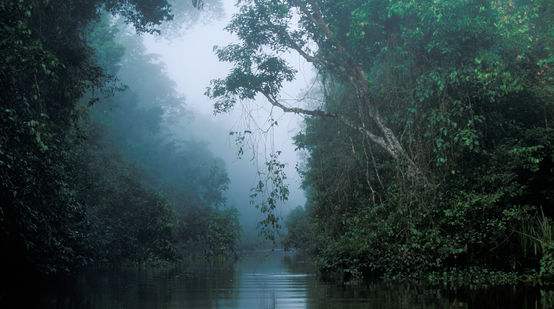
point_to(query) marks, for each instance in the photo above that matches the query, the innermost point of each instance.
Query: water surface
(260, 280)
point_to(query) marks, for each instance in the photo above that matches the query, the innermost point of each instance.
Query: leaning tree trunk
(347, 69)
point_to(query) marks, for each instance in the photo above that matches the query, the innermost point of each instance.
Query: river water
(259, 280)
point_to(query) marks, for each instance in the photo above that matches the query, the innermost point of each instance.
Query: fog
(136, 165)
(189, 59)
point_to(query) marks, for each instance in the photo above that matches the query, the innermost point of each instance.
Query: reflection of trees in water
(298, 263)
(503, 297)
(378, 294)
(208, 284)
(228, 284)
(198, 284)
(382, 295)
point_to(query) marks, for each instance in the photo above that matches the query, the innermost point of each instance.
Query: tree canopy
(431, 147)
(70, 195)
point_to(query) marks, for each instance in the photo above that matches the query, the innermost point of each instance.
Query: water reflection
(267, 282)
(260, 280)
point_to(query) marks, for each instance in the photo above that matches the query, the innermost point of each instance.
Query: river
(259, 280)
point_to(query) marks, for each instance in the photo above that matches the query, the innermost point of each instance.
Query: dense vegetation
(431, 149)
(89, 169)
(136, 126)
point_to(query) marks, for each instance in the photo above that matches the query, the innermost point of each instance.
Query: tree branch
(320, 113)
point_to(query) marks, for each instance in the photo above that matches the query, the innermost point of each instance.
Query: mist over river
(153, 151)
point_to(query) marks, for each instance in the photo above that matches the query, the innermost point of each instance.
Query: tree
(424, 154)
(132, 147)
(352, 41)
(47, 68)
(299, 230)
(267, 30)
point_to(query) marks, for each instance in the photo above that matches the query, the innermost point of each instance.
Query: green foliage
(299, 230)
(460, 82)
(64, 200)
(134, 127)
(474, 276)
(129, 220)
(547, 262)
(268, 193)
(102, 39)
(465, 87)
(42, 223)
(212, 232)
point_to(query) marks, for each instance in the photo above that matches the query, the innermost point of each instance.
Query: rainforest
(295, 153)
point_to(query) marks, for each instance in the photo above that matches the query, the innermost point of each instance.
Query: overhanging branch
(320, 113)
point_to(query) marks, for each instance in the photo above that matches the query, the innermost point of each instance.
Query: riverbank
(262, 279)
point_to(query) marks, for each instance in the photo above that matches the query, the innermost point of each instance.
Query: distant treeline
(90, 170)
